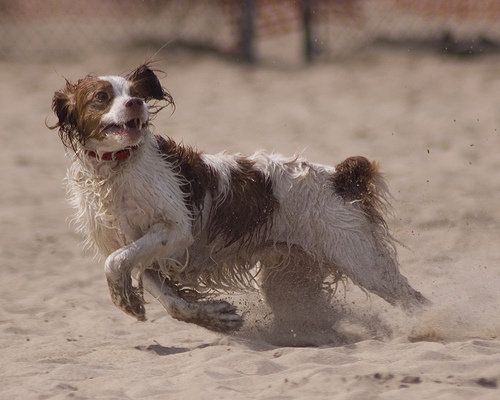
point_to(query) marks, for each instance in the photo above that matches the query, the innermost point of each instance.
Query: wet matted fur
(186, 223)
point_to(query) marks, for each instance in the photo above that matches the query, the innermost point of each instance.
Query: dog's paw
(413, 302)
(217, 315)
(128, 298)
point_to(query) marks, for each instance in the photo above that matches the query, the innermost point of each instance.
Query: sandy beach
(432, 122)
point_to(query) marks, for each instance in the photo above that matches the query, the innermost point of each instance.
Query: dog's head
(108, 113)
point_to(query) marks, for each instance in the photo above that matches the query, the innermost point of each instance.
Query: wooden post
(248, 31)
(307, 25)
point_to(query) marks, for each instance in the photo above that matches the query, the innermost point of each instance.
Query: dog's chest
(135, 208)
(119, 210)
(115, 214)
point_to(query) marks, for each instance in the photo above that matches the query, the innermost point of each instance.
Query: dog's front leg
(160, 241)
(217, 315)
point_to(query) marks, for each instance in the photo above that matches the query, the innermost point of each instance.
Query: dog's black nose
(133, 102)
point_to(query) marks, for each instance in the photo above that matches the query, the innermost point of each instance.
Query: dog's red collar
(120, 155)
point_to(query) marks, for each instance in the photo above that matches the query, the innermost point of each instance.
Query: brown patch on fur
(358, 180)
(199, 177)
(352, 178)
(247, 208)
(79, 108)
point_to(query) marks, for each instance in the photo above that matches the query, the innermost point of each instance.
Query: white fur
(222, 163)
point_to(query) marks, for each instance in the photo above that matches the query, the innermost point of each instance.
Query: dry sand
(432, 122)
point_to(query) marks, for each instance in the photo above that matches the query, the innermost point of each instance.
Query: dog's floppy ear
(64, 106)
(145, 84)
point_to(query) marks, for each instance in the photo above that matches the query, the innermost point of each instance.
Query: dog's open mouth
(134, 124)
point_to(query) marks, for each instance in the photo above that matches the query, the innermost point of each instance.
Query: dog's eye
(101, 97)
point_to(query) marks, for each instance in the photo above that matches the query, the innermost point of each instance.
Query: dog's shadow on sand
(161, 350)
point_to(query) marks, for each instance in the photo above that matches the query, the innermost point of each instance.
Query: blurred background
(414, 84)
(246, 28)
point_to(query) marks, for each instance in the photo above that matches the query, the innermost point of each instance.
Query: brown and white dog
(185, 223)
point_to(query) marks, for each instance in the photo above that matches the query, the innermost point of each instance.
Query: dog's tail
(357, 180)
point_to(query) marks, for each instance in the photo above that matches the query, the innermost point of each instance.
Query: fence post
(307, 25)
(248, 31)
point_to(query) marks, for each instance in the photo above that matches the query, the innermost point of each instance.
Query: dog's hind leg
(292, 285)
(356, 238)
(370, 261)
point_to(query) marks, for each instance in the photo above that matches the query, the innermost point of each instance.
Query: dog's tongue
(122, 155)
